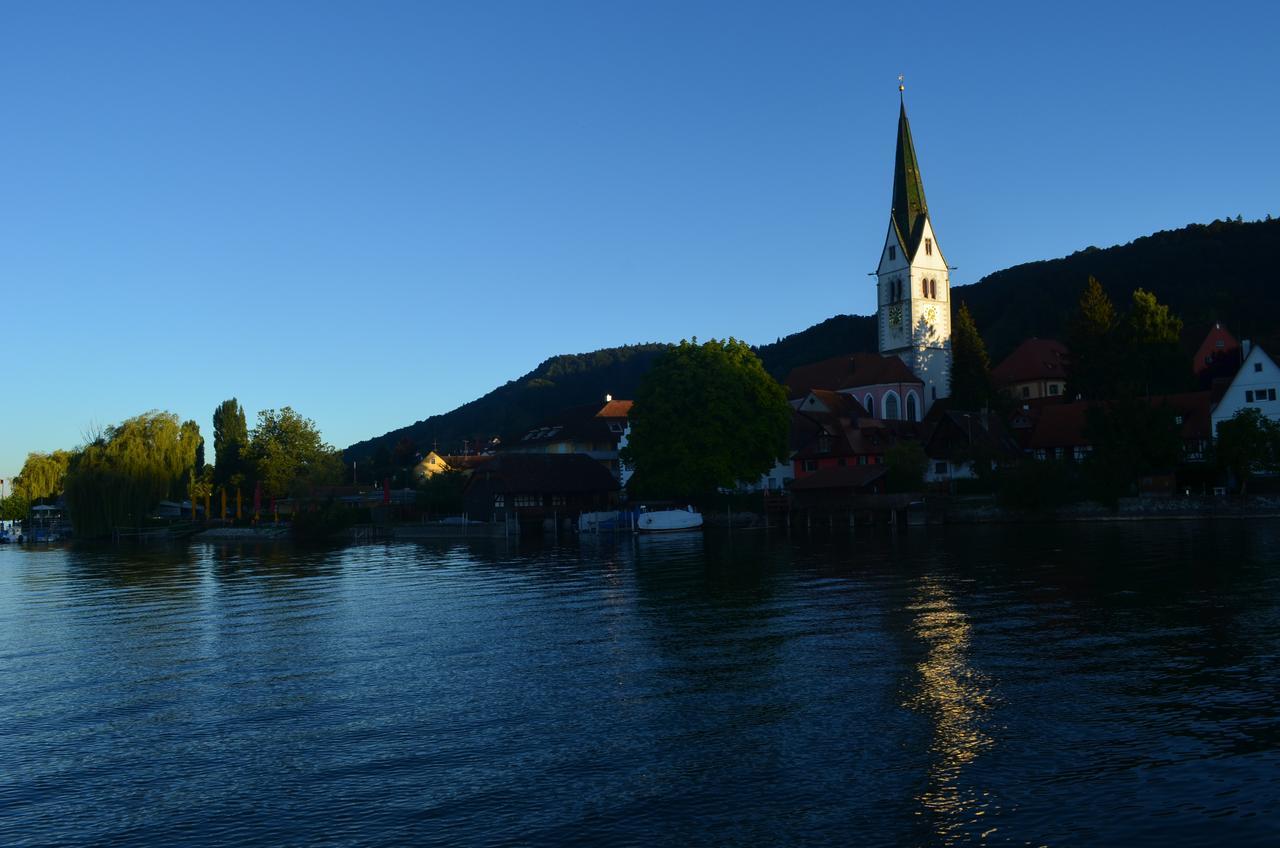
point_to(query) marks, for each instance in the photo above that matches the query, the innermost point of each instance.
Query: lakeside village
(1115, 419)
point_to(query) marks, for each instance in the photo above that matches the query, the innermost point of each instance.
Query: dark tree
(1093, 367)
(970, 365)
(1248, 442)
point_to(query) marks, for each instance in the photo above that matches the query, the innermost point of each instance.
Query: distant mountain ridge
(1224, 271)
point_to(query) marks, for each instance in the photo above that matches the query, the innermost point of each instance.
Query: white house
(1255, 385)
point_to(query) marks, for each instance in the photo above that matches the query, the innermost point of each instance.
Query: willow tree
(43, 475)
(119, 478)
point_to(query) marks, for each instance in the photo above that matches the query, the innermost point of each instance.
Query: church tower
(913, 284)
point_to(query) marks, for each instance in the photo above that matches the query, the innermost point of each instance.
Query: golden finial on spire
(901, 87)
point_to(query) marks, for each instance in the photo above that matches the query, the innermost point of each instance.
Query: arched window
(891, 406)
(933, 289)
(871, 406)
(924, 288)
(912, 414)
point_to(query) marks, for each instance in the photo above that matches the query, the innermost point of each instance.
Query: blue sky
(375, 212)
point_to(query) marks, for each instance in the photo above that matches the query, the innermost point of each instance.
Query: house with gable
(596, 430)
(1035, 369)
(1254, 385)
(1218, 358)
(955, 440)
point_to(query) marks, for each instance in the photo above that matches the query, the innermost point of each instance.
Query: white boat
(667, 520)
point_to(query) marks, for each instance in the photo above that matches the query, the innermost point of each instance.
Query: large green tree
(707, 416)
(970, 365)
(119, 477)
(289, 456)
(230, 440)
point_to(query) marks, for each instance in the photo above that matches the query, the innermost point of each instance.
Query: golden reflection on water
(955, 697)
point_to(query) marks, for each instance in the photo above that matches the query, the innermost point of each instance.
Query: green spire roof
(909, 206)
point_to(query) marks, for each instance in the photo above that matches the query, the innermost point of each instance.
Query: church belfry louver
(913, 284)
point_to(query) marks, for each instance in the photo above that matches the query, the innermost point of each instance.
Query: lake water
(1027, 685)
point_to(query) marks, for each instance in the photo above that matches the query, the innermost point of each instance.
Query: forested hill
(558, 383)
(1225, 271)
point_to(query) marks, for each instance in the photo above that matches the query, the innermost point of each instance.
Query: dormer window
(928, 247)
(893, 252)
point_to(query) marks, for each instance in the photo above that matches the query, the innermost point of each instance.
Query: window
(1248, 396)
(911, 407)
(928, 247)
(893, 252)
(811, 465)
(1220, 344)
(939, 468)
(1053, 388)
(862, 460)
(1081, 451)
(871, 406)
(891, 406)
(1271, 394)
(824, 444)
(924, 288)
(499, 501)
(528, 500)
(1177, 419)
(1257, 367)
(615, 427)
(933, 289)
(1026, 391)
(557, 500)
(1039, 453)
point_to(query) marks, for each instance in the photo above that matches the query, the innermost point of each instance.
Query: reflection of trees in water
(955, 697)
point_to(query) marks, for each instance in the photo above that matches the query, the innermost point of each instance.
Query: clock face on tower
(895, 316)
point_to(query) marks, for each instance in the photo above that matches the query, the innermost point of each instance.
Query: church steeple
(913, 282)
(909, 206)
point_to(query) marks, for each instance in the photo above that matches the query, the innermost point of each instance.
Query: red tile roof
(848, 477)
(569, 473)
(1034, 359)
(847, 372)
(615, 409)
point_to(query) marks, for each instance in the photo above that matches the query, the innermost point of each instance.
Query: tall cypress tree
(230, 438)
(1093, 367)
(970, 365)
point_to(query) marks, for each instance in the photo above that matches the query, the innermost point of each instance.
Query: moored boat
(668, 520)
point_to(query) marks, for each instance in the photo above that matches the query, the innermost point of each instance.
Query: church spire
(909, 206)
